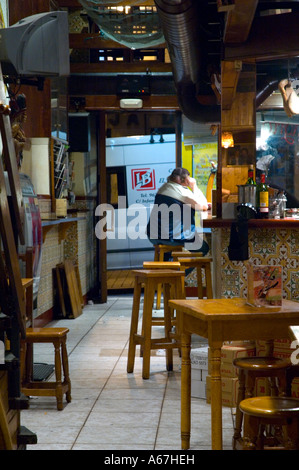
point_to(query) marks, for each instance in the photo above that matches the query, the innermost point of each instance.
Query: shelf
(63, 225)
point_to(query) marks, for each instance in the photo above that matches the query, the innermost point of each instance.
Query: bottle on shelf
(250, 176)
(263, 198)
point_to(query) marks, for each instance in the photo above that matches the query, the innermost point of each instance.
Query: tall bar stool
(160, 251)
(162, 265)
(273, 411)
(249, 369)
(199, 263)
(149, 279)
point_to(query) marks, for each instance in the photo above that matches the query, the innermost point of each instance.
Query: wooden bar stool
(57, 336)
(249, 369)
(162, 265)
(149, 279)
(199, 263)
(275, 411)
(160, 251)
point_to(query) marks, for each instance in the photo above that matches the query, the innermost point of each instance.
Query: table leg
(185, 391)
(216, 398)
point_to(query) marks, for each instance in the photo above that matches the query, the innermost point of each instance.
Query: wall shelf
(63, 225)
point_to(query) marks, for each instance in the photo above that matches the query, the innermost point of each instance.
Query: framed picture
(241, 154)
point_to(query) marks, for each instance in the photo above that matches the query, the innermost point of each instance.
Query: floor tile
(111, 409)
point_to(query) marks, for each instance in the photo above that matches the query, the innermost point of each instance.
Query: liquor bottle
(250, 176)
(263, 198)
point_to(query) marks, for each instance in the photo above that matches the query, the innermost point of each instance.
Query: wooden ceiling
(244, 40)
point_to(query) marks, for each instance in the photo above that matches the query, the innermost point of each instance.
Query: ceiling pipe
(180, 25)
(185, 36)
(264, 93)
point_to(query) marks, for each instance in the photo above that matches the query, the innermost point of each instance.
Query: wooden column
(102, 199)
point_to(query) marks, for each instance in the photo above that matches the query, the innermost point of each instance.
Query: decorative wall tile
(274, 247)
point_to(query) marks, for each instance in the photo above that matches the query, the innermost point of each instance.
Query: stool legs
(134, 326)
(239, 414)
(171, 282)
(59, 394)
(65, 367)
(167, 320)
(149, 292)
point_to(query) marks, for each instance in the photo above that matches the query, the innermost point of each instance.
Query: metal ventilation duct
(184, 38)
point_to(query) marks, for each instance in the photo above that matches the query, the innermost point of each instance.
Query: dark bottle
(250, 176)
(263, 198)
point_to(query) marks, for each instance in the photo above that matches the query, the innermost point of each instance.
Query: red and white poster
(143, 181)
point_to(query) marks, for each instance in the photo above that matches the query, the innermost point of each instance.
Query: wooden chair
(160, 251)
(199, 263)
(274, 411)
(56, 336)
(150, 279)
(249, 369)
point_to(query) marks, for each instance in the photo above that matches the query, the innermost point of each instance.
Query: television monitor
(37, 45)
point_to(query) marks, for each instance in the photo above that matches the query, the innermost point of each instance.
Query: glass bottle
(250, 176)
(263, 198)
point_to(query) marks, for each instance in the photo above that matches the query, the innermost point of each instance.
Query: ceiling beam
(95, 41)
(239, 20)
(111, 102)
(271, 37)
(121, 67)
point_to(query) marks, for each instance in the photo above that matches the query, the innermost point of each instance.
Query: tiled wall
(268, 246)
(78, 245)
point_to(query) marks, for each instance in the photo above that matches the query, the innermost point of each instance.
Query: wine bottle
(263, 198)
(250, 176)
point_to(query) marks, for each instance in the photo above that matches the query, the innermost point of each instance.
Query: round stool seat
(260, 363)
(270, 407)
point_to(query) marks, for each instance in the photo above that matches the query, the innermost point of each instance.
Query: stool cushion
(261, 363)
(270, 407)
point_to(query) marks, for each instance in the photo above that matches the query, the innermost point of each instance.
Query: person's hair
(178, 174)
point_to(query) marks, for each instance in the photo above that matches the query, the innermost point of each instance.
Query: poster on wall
(203, 156)
(143, 182)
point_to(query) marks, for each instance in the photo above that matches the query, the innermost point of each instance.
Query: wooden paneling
(271, 37)
(239, 20)
(229, 80)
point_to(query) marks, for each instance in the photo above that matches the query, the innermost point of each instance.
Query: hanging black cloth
(238, 243)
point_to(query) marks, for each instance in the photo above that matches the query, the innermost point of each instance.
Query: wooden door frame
(102, 190)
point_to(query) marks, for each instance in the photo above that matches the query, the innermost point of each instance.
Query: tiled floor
(110, 409)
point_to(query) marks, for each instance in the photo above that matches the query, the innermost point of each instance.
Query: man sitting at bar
(172, 219)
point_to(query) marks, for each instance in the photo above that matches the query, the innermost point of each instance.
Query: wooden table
(221, 320)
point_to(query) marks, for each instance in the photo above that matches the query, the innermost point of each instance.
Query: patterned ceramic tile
(274, 247)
